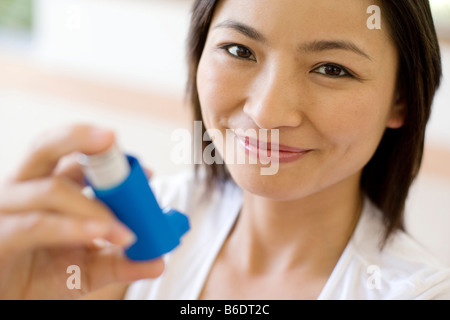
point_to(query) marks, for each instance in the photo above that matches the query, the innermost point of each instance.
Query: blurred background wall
(121, 64)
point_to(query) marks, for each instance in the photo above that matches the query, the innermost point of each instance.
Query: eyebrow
(242, 28)
(323, 45)
(309, 47)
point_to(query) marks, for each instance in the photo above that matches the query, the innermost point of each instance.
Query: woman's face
(312, 70)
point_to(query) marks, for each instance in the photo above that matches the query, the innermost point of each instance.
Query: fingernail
(101, 243)
(123, 236)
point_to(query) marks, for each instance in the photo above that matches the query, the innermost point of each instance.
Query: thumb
(52, 146)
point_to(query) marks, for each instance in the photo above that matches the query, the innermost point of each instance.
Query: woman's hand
(47, 224)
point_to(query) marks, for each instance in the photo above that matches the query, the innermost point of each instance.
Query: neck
(311, 232)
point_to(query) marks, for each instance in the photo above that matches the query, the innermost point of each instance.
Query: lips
(270, 146)
(271, 151)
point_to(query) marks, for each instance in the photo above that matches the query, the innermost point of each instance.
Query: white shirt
(401, 270)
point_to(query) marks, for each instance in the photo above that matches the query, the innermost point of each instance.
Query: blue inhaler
(119, 181)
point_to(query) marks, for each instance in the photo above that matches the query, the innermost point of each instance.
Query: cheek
(214, 86)
(353, 127)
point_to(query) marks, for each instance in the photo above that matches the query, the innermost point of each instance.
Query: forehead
(290, 22)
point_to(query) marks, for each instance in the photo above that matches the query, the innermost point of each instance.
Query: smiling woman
(333, 74)
(358, 99)
(340, 104)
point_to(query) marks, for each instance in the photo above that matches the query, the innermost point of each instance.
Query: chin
(278, 187)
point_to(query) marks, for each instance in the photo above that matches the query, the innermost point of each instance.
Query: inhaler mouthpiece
(105, 170)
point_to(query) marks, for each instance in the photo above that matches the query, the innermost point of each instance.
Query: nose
(275, 100)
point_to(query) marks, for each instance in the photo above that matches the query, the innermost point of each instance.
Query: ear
(397, 114)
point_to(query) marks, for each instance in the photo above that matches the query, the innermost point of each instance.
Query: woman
(347, 86)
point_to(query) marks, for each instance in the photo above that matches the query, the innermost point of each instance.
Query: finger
(148, 173)
(71, 169)
(36, 230)
(55, 194)
(58, 143)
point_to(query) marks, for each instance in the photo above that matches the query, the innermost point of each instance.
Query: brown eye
(240, 52)
(333, 71)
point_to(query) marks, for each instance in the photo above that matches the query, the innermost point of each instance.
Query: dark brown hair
(387, 177)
